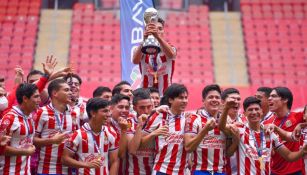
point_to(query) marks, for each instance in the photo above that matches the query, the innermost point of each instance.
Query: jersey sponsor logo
(25, 142)
(213, 142)
(251, 152)
(90, 157)
(174, 138)
(145, 152)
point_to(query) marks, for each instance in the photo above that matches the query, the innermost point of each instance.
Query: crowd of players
(47, 128)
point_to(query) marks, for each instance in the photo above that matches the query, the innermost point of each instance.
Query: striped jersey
(210, 153)
(171, 157)
(49, 122)
(88, 146)
(21, 128)
(250, 142)
(79, 111)
(231, 162)
(160, 65)
(142, 162)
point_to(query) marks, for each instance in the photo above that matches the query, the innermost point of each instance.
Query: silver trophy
(151, 45)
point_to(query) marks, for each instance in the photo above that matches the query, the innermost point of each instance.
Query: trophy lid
(149, 14)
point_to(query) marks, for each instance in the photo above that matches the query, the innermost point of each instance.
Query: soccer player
(263, 94)
(171, 157)
(91, 148)
(77, 104)
(140, 158)
(280, 102)
(123, 88)
(54, 123)
(120, 105)
(255, 145)
(157, 70)
(202, 136)
(18, 124)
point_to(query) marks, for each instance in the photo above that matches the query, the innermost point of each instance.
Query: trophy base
(151, 50)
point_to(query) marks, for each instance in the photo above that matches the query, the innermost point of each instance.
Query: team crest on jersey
(5, 124)
(288, 123)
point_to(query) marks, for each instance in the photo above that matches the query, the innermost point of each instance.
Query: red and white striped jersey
(210, 154)
(231, 162)
(21, 129)
(142, 162)
(248, 156)
(171, 157)
(79, 111)
(83, 145)
(49, 122)
(160, 64)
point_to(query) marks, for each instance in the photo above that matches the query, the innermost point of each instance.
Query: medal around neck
(151, 45)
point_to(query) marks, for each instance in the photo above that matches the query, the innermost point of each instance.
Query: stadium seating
(275, 37)
(190, 33)
(18, 29)
(95, 47)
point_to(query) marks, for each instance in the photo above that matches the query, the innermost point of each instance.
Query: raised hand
(61, 73)
(123, 124)
(59, 138)
(161, 131)
(230, 103)
(49, 65)
(269, 129)
(19, 73)
(211, 124)
(163, 108)
(4, 140)
(95, 163)
(142, 119)
(30, 150)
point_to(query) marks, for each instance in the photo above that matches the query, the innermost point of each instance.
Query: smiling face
(74, 85)
(178, 104)
(253, 113)
(63, 94)
(121, 109)
(101, 116)
(212, 102)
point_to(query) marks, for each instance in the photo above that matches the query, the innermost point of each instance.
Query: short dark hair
(153, 90)
(100, 90)
(72, 75)
(173, 91)
(266, 90)
(160, 20)
(140, 94)
(285, 94)
(119, 97)
(249, 101)
(228, 91)
(34, 72)
(94, 104)
(55, 85)
(25, 89)
(118, 87)
(211, 87)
